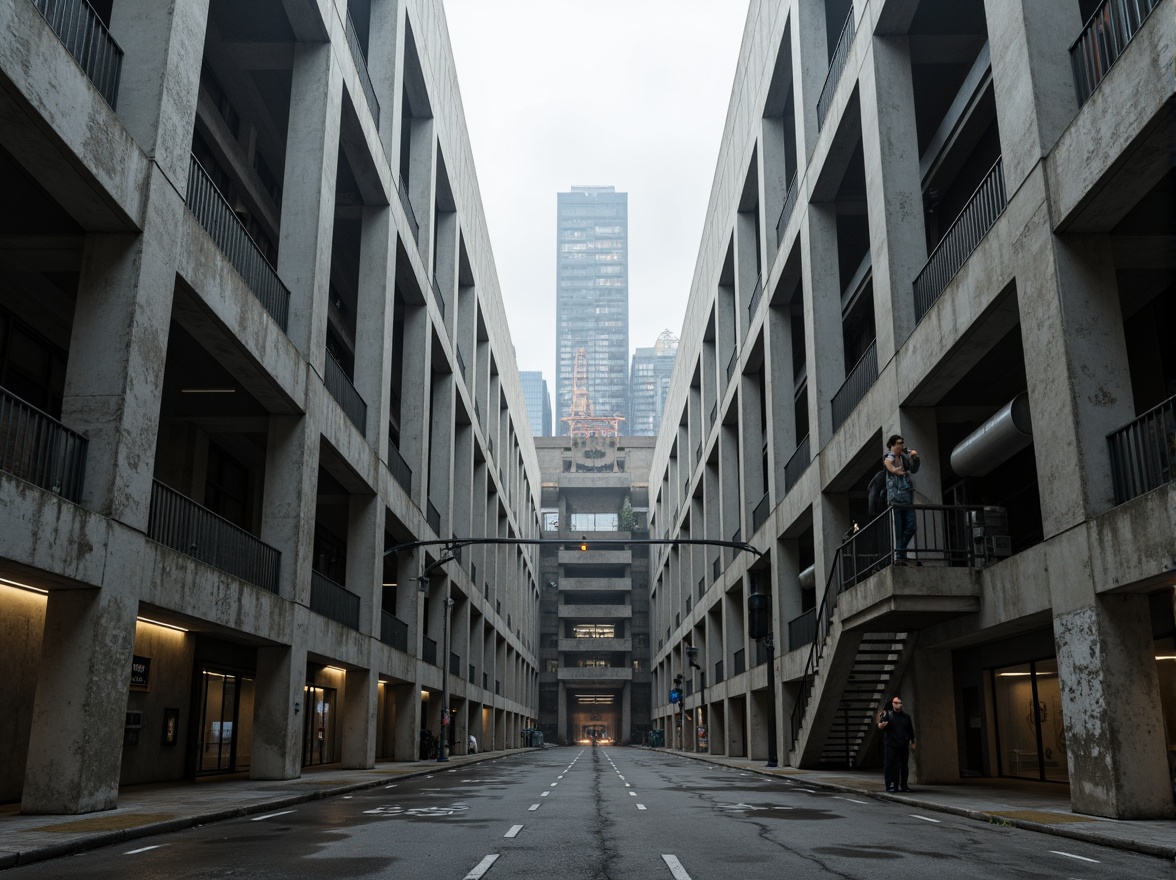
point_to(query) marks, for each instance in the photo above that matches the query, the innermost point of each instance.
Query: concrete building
(649, 385)
(951, 222)
(592, 299)
(594, 680)
(251, 338)
(538, 401)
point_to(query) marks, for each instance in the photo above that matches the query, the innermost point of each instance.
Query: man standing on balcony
(898, 732)
(900, 463)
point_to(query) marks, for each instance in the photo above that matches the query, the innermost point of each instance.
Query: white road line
(270, 815)
(1058, 852)
(553, 785)
(628, 785)
(632, 794)
(483, 867)
(534, 807)
(838, 797)
(135, 852)
(544, 793)
(676, 869)
(641, 806)
(514, 831)
(390, 786)
(347, 797)
(924, 818)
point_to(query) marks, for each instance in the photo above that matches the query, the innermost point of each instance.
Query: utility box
(989, 529)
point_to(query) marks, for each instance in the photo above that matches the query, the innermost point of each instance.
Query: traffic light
(759, 615)
(583, 544)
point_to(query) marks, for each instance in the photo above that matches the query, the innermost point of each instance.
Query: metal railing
(714, 414)
(406, 203)
(716, 569)
(178, 522)
(339, 385)
(429, 650)
(393, 631)
(1103, 40)
(86, 38)
(755, 298)
(365, 78)
(438, 297)
(718, 671)
(401, 472)
(461, 365)
(702, 586)
(759, 516)
(732, 363)
(698, 453)
(786, 211)
(984, 207)
(797, 464)
(836, 66)
(860, 379)
(433, 517)
(1143, 452)
(740, 663)
(333, 600)
(454, 664)
(802, 629)
(227, 231)
(37, 448)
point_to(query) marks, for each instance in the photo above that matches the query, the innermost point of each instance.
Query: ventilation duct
(996, 441)
(807, 579)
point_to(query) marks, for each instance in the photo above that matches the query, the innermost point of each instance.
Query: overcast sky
(627, 93)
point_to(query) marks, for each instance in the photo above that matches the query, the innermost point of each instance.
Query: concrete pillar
(408, 721)
(810, 55)
(824, 349)
(373, 326)
(291, 485)
(159, 82)
(780, 392)
(75, 742)
(786, 588)
(385, 57)
(929, 697)
(890, 151)
(736, 728)
(562, 721)
(365, 557)
(114, 381)
(278, 708)
(917, 426)
(415, 399)
(308, 195)
(830, 522)
(758, 726)
(1115, 740)
(1032, 78)
(359, 719)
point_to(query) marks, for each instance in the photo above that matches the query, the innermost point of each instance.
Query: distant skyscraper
(592, 298)
(538, 401)
(649, 382)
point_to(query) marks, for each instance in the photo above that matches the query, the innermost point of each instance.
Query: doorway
(1030, 734)
(318, 731)
(226, 723)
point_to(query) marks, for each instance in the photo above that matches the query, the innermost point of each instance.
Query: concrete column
(780, 391)
(736, 729)
(408, 721)
(75, 742)
(562, 721)
(751, 437)
(1076, 365)
(830, 522)
(308, 195)
(824, 349)
(787, 590)
(421, 173)
(1115, 740)
(415, 400)
(757, 705)
(365, 557)
(890, 150)
(359, 719)
(291, 484)
(932, 707)
(278, 708)
(385, 57)
(163, 46)
(1032, 78)
(810, 64)
(917, 426)
(114, 381)
(373, 326)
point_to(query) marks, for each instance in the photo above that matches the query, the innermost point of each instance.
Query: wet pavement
(153, 809)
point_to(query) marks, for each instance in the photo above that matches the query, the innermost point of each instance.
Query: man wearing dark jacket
(898, 740)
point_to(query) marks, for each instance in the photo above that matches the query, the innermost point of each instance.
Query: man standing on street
(898, 741)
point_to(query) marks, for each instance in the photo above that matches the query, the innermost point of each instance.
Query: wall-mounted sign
(171, 726)
(140, 673)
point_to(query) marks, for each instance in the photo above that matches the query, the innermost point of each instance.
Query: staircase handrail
(824, 617)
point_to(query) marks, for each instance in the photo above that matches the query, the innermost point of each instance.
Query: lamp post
(759, 626)
(770, 644)
(446, 718)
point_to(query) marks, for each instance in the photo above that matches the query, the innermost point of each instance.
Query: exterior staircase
(877, 667)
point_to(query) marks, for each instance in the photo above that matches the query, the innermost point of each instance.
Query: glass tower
(592, 298)
(538, 401)
(649, 384)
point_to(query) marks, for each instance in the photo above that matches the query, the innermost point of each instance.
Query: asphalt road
(599, 814)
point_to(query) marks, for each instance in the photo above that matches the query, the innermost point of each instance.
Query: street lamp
(446, 717)
(759, 626)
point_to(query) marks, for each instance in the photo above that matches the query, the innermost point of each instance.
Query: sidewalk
(154, 809)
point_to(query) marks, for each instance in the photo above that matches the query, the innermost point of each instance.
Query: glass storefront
(1030, 733)
(226, 723)
(318, 732)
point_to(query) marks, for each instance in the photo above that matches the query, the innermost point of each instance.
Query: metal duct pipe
(807, 579)
(996, 441)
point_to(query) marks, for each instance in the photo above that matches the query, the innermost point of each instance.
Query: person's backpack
(876, 494)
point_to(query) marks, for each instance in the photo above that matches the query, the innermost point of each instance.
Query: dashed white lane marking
(347, 797)
(270, 815)
(142, 849)
(807, 790)
(534, 807)
(924, 818)
(553, 785)
(676, 869)
(628, 785)
(483, 867)
(514, 831)
(390, 786)
(641, 806)
(837, 797)
(544, 793)
(632, 794)
(1058, 852)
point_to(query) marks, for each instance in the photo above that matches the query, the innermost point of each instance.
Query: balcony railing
(86, 38)
(802, 629)
(461, 365)
(1143, 452)
(429, 650)
(37, 448)
(228, 233)
(740, 664)
(1103, 40)
(440, 300)
(836, 66)
(454, 664)
(433, 517)
(786, 211)
(714, 414)
(406, 203)
(860, 379)
(718, 671)
(393, 631)
(760, 515)
(401, 472)
(339, 385)
(365, 78)
(178, 522)
(755, 298)
(987, 203)
(732, 363)
(333, 600)
(698, 453)
(702, 586)
(716, 569)
(797, 464)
